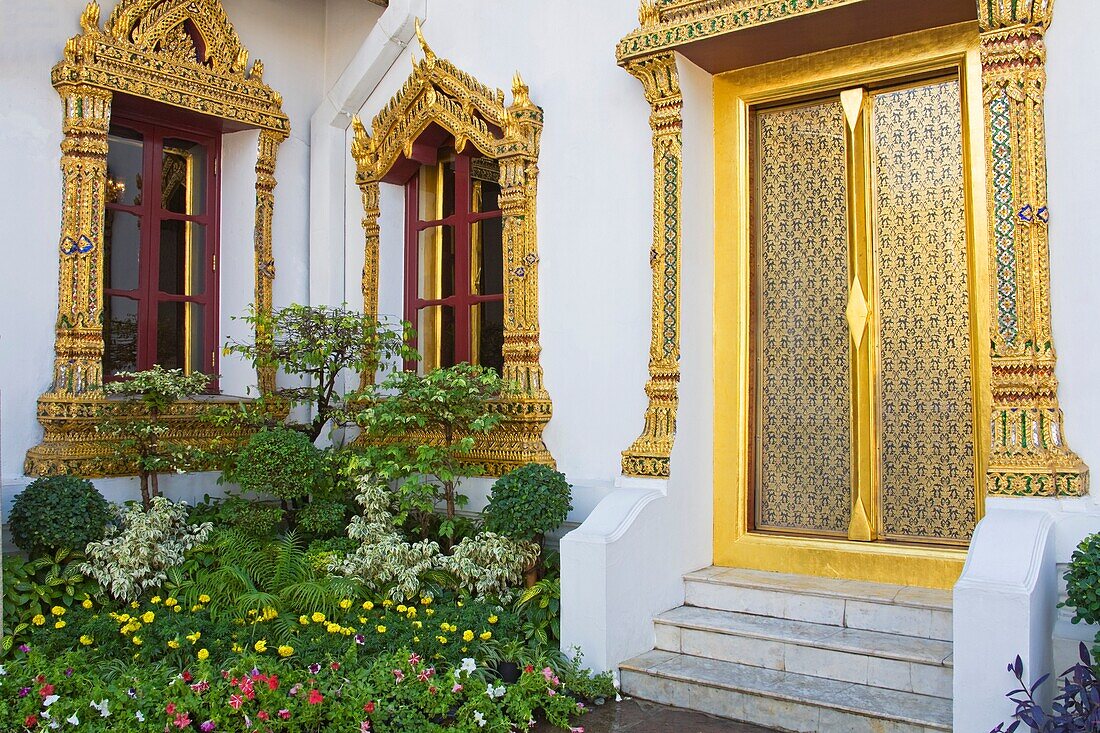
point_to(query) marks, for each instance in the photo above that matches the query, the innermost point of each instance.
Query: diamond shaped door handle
(856, 312)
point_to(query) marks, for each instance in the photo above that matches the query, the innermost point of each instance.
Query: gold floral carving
(439, 93)
(182, 53)
(1030, 456)
(649, 454)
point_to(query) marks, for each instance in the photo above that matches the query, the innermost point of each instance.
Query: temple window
(454, 270)
(160, 243)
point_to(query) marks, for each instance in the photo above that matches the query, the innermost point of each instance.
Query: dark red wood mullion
(461, 236)
(412, 260)
(150, 229)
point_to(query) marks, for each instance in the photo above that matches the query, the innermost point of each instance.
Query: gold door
(851, 311)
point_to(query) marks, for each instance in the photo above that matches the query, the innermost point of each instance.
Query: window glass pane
(436, 188)
(487, 335)
(122, 246)
(182, 258)
(486, 258)
(436, 270)
(180, 330)
(485, 186)
(120, 334)
(435, 329)
(125, 150)
(183, 177)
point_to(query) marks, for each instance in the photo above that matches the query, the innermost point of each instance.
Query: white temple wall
(290, 39)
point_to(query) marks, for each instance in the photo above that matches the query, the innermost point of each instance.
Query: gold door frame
(918, 54)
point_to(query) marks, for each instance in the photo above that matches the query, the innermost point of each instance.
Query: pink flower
(426, 674)
(399, 675)
(414, 659)
(334, 666)
(235, 702)
(295, 689)
(550, 691)
(262, 715)
(369, 707)
(315, 697)
(578, 729)
(170, 708)
(183, 720)
(207, 726)
(457, 688)
(273, 682)
(364, 727)
(548, 673)
(284, 714)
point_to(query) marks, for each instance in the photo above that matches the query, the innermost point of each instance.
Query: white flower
(495, 692)
(101, 706)
(54, 724)
(479, 719)
(2, 670)
(139, 716)
(469, 665)
(50, 700)
(72, 720)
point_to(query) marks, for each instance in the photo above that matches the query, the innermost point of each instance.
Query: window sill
(72, 445)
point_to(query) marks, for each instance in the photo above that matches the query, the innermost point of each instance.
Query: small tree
(316, 344)
(453, 406)
(137, 418)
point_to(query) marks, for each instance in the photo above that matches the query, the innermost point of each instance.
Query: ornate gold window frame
(437, 92)
(1029, 455)
(146, 49)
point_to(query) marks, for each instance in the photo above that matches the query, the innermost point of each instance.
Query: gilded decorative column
(1029, 454)
(265, 257)
(649, 454)
(518, 187)
(78, 360)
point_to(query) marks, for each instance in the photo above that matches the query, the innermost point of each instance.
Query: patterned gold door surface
(864, 401)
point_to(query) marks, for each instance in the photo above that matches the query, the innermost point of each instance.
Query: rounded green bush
(58, 511)
(1083, 581)
(528, 502)
(279, 461)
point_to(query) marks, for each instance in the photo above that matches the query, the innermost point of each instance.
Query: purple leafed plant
(1075, 708)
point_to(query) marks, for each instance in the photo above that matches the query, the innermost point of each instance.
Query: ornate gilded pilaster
(649, 454)
(267, 153)
(439, 93)
(78, 354)
(1029, 453)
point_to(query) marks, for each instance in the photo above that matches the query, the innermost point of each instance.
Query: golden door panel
(926, 425)
(803, 476)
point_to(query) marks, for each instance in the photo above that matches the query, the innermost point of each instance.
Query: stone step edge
(825, 643)
(799, 699)
(822, 590)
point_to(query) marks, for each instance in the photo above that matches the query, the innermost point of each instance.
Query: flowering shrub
(137, 557)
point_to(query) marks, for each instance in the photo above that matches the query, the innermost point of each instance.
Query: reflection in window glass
(122, 249)
(125, 158)
(182, 257)
(436, 263)
(436, 328)
(487, 335)
(180, 327)
(486, 258)
(485, 182)
(120, 335)
(183, 177)
(436, 188)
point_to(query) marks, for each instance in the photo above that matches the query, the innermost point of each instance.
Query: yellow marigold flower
(318, 617)
(57, 611)
(196, 607)
(401, 608)
(86, 640)
(285, 650)
(87, 603)
(441, 639)
(412, 612)
(493, 619)
(237, 648)
(270, 613)
(136, 640)
(194, 637)
(380, 629)
(430, 611)
(453, 628)
(173, 644)
(204, 598)
(367, 605)
(303, 620)
(416, 624)
(332, 628)
(123, 618)
(426, 600)
(362, 619)
(148, 617)
(443, 626)
(203, 655)
(345, 604)
(260, 646)
(59, 625)
(170, 601)
(252, 612)
(460, 604)
(155, 600)
(38, 620)
(134, 604)
(467, 635)
(416, 639)
(176, 608)
(486, 635)
(387, 603)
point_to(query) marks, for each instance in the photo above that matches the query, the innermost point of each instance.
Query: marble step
(893, 609)
(904, 663)
(781, 700)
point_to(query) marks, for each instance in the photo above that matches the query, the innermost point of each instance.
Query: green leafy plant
(58, 511)
(322, 518)
(528, 502)
(277, 461)
(450, 407)
(32, 587)
(539, 609)
(137, 557)
(317, 345)
(136, 417)
(1083, 584)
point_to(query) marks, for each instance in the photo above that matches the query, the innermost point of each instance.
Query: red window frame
(150, 214)
(463, 299)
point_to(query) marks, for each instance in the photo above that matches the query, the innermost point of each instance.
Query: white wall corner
(1003, 606)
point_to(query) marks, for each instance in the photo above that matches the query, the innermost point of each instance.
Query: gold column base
(650, 454)
(1058, 473)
